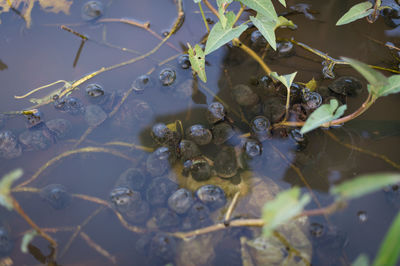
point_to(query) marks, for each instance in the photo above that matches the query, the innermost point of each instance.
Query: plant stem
(204, 17)
(255, 56)
(242, 7)
(21, 212)
(212, 9)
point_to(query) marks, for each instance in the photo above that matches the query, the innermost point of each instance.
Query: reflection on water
(117, 163)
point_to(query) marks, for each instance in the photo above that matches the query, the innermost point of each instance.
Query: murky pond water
(119, 202)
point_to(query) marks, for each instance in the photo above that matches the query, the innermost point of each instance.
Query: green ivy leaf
(324, 114)
(356, 12)
(389, 251)
(283, 2)
(264, 7)
(362, 260)
(198, 61)
(28, 238)
(286, 205)
(363, 185)
(5, 185)
(286, 80)
(219, 35)
(376, 79)
(393, 86)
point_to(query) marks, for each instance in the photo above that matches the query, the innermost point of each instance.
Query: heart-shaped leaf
(324, 114)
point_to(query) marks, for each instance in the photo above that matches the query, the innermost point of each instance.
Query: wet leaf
(27, 6)
(197, 60)
(219, 35)
(27, 239)
(362, 260)
(325, 113)
(286, 80)
(356, 12)
(376, 79)
(312, 85)
(264, 7)
(197, 1)
(285, 206)
(389, 250)
(363, 185)
(266, 26)
(5, 186)
(393, 86)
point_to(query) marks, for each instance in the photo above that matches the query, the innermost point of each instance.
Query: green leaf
(28, 238)
(198, 61)
(283, 2)
(325, 113)
(286, 80)
(389, 251)
(376, 79)
(197, 1)
(363, 185)
(219, 35)
(362, 260)
(393, 86)
(356, 12)
(264, 7)
(5, 185)
(267, 28)
(286, 205)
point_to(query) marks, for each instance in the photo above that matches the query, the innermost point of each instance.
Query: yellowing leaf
(198, 61)
(26, 6)
(312, 85)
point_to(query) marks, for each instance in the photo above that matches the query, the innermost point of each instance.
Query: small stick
(373, 154)
(98, 248)
(212, 9)
(40, 88)
(78, 230)
(204, 17)
(22, 213)
(72, 152)
(231, 208)
(83, 37)
(78, 54)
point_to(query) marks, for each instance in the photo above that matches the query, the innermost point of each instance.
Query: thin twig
(212, 9)
(204, 17)
(373, 154)
(72, 152)
(98, 248)
(231, 208)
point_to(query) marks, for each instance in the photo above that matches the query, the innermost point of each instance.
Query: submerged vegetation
(193, 178)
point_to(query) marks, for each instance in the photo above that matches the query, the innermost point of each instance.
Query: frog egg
(123, 198)
(199, 169)
(94, 90)
(92, 10)
(56, 195)
(252, 148)
(285, 49)
(244, 95)
(225, 163)
(6, 243)
(222, 132)
(142, 83)
(298, 139)
(316, 229)
(199, 134)
(211, 195)
(167, 76)
(163, 247)
(9, 146)
(163, 135)
(215, 112)
(34, 118)
(348, 86)
(313, 100)
(183, 61)
(260, 127)
(180, 201)
(166, 218)
(198, 216)
(188, 150)
(159, 191)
